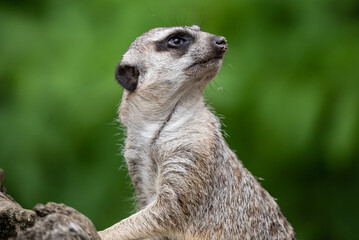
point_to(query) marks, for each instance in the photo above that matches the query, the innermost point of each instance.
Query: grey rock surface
(51, 221)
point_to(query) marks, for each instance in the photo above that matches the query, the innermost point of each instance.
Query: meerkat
(189, 184)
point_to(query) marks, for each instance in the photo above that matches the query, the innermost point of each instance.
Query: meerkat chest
(148, 141)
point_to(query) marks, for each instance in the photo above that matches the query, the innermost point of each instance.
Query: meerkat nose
(219, 44)
(220, 41)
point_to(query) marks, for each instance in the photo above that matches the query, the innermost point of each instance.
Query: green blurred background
(288, 95)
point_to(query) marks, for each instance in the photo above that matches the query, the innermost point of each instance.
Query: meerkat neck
(141, 116)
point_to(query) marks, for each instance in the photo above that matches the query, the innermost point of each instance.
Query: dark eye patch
(177, 42)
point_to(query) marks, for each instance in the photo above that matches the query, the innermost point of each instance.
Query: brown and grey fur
(188, 182)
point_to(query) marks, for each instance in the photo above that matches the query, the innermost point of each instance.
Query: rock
(51, 221)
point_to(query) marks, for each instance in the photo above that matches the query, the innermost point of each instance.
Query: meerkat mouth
(205, 62)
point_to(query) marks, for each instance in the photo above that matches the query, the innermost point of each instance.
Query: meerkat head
(171, 57)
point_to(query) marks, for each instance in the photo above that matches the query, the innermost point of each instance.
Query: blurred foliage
(288, 93)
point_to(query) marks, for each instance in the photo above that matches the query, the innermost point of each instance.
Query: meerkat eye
(175, 41)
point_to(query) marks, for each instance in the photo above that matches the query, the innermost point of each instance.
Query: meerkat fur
(188, 183)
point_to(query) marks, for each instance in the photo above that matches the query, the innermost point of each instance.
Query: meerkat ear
(127, 76)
